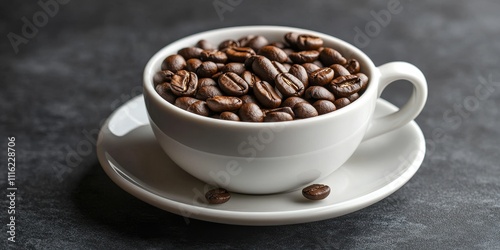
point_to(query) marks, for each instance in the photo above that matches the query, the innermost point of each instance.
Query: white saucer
(129, 154)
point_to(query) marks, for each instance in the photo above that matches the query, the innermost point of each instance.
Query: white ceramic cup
(263, 158)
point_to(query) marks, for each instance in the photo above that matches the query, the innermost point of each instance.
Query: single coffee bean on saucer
(217, 196)
(316, 191)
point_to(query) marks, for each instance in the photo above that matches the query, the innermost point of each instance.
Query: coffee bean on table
(266, 95)
(316, 191)
(217, 196)
(184, 83)
(289, 85)
(173, 63)
(233, 84)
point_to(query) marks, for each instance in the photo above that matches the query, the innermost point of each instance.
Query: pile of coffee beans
(254, 80)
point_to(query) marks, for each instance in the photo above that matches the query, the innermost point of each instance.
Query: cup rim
(367, 64)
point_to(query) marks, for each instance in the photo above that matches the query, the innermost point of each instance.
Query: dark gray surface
(88, 59)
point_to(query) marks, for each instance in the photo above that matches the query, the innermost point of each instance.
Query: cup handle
(389, 73)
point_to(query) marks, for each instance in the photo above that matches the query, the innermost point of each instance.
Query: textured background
(87, 60)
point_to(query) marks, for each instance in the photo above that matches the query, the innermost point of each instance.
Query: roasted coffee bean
(309, 42)
(287, 66)
(216, 76)
(162, 76)
(239, 54)
(206, 69)
(249, 99)
(190, 52)
(300, 72)
(215, 56)
(255, 42)
(199, 108)
(266, 95)
(318, 63)
(316, 191)
(206, 92)
(264, 68)
(184, 102)
(233, 84)
(288, 85)
(341, 102)
(184, 83)
(278, 44)
(363, 81)
(280, 67)
(291, 38)
(288, 51)
(353, 97)
(224, 103)
(310, 67)
(273, 53)
(250, 112)
(305, 56)
(249, 62)
(226, 44)
(324, 106)
(205, 45)
(192, 64)
(291, 101)
(329, 56)
(164, 91)
(304, 110)
(206, 82)
(321, 76)
(244, 40)
(173, 63)
(339, 70)
(250, 78)
(234, 67)
(344, 86)
(229, 116)
(277, 116)
(318, 93)
(217, 196)
(287, 110)
(353, 66)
